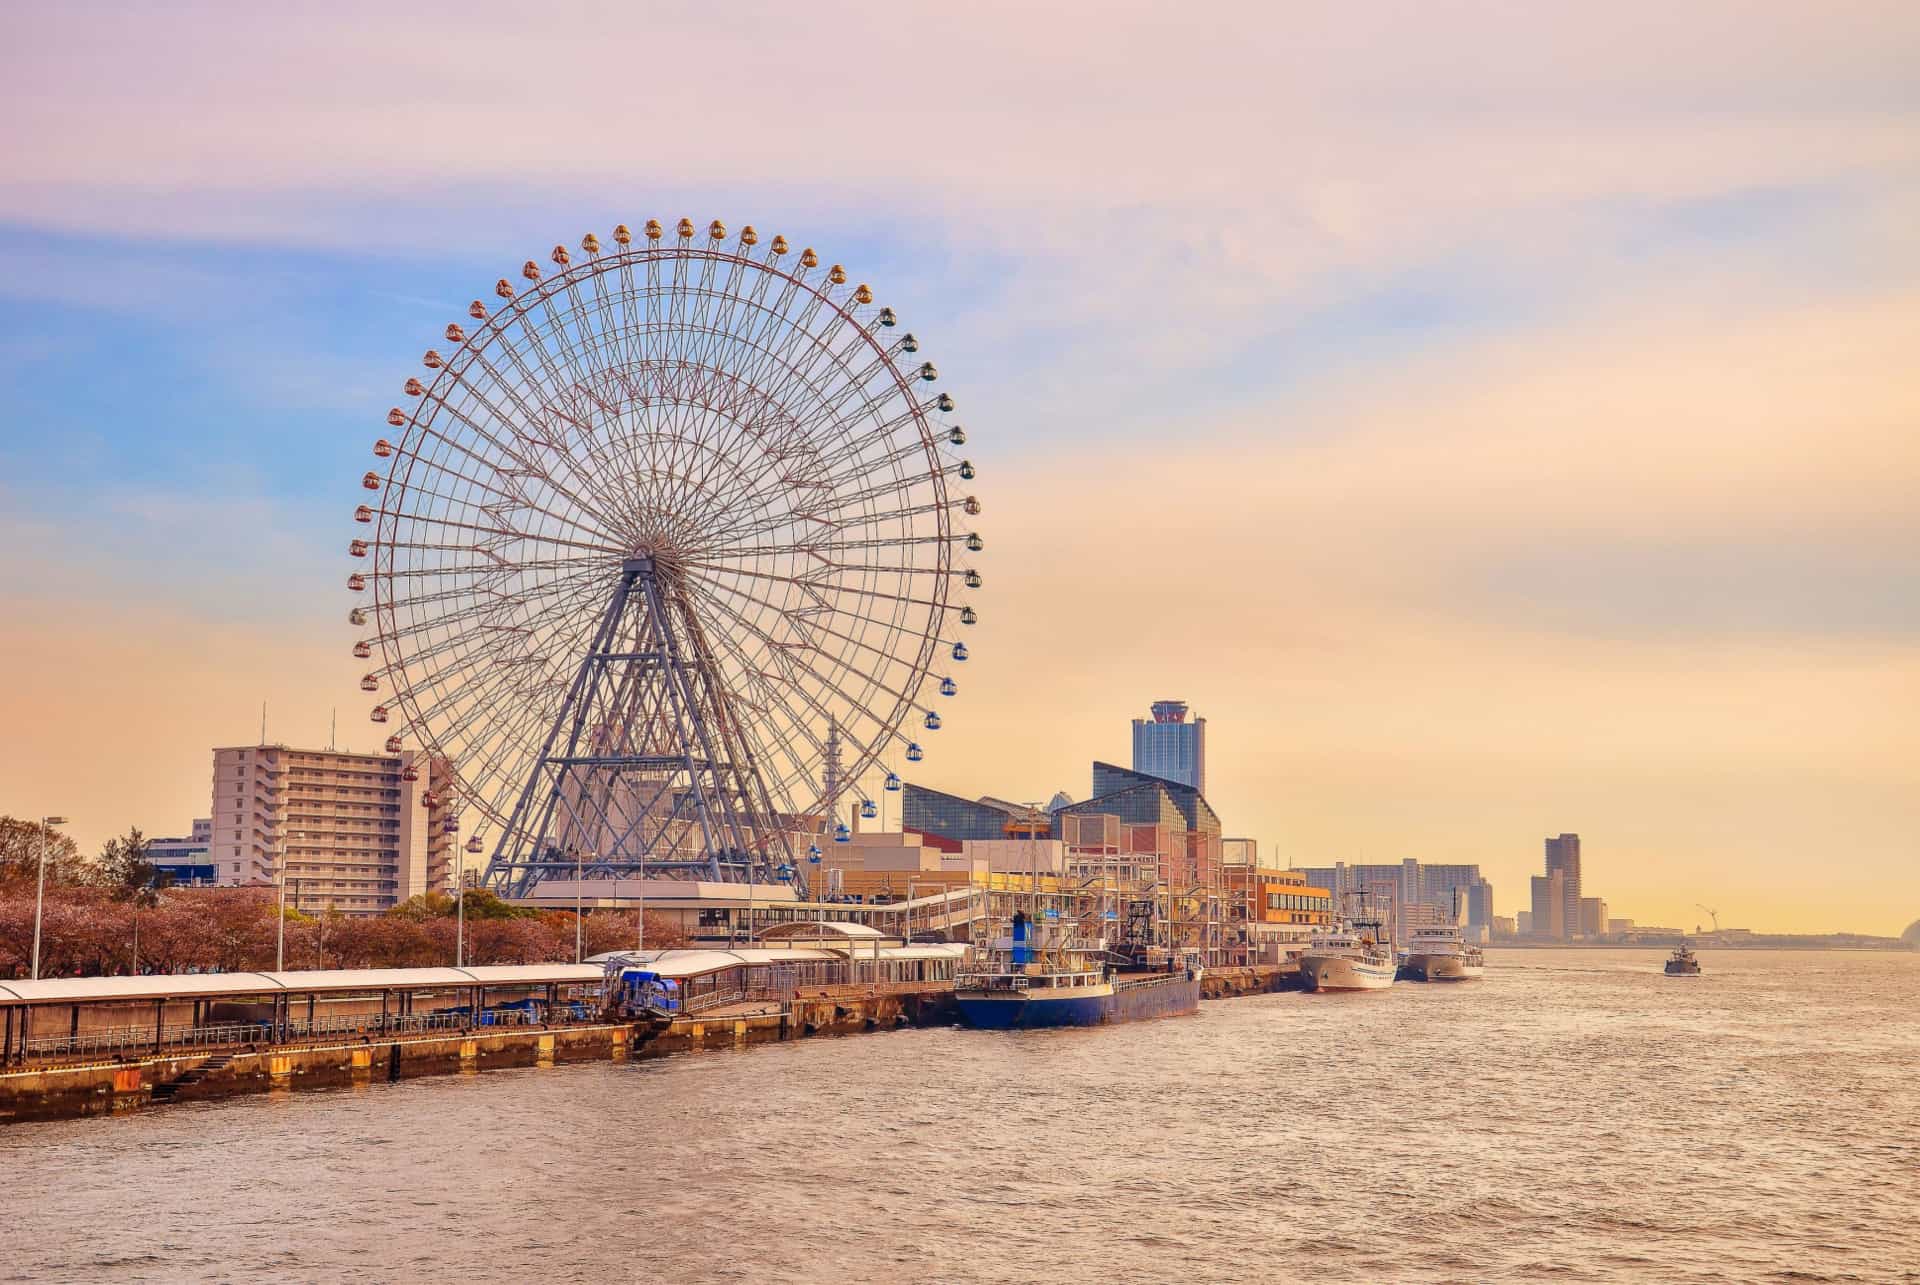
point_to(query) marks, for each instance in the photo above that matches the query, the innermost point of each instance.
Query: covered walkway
(64, 1018)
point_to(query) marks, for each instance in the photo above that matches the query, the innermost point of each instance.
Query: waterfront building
(1563, 858)
(1100, 846)
(1615, 927)
(1169, 747)
(1523, 923)
(355, 831)
(1274, 908)
(1185, 829)
(949, 817)
(184, 862)
(1135, 831)
(1593, 917)
(1017, 856)
(1239, 852)
(1457, 890)
(1505, 926)
(1176, 825)
(1550, 906)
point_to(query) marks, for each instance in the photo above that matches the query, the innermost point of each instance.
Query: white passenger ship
(1439, 954)
(1346, 960)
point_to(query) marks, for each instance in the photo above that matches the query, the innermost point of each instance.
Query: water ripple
(1577, 1117)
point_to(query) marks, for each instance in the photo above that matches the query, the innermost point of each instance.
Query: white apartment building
(354, 830)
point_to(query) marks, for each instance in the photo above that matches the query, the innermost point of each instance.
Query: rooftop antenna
(333, 727)
(263, 722)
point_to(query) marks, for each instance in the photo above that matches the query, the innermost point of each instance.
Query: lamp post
(460, 913)
(40, 887)
(579, 908)
(280, 932)
(450, 827)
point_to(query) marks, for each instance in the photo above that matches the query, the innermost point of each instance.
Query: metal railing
(712, 999)
(120, 1039)
(140, 1039)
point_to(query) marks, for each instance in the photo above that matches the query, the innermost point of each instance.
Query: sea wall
(107, 1087)
(104, 1088)
(1256, 979)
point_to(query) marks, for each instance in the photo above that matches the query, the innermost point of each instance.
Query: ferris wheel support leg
(651, 746)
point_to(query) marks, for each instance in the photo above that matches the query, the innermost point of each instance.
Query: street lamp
(40, 887)
(579, 907)
(460, 914)
(280, 933)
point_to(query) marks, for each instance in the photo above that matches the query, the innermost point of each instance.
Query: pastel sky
(1497, 418)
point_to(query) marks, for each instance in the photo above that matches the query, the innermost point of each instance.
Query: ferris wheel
(669, 542)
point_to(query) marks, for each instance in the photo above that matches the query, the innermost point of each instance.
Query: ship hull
(1031, 1010)
(1423, 967)
(1338, 973)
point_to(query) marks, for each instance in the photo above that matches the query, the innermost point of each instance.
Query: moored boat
(1037, 978)
(1439, 954)
(1346, 960)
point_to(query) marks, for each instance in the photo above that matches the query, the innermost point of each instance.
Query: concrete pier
(65, 1090)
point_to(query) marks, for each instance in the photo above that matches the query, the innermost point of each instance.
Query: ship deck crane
(1711, 912)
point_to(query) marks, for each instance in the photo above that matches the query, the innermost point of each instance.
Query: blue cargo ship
(1022, 983)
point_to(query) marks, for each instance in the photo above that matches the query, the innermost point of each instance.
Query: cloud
(1491, 416)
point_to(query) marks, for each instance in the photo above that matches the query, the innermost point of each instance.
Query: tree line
(110, 915)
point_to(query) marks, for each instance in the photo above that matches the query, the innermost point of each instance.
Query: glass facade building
(1169, 747)
(924, 811)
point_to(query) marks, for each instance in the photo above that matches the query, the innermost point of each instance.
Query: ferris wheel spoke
(506, 484)
(815, 627)
(799, 672)
(805, 582)
(856, 447)
(537, 465)
(487, 474)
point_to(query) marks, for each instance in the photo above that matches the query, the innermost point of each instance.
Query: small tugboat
(1683, 962)
(1040, 977)
(1440, 955)
(1347, 960)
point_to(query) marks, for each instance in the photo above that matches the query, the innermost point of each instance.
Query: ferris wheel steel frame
(663, 524)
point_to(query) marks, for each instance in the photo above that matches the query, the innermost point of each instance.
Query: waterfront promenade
(288, 1031)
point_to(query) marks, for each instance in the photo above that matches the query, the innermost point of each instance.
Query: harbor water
(1577, 1116)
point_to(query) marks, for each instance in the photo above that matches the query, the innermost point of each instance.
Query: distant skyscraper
(1169, 747)
(1563, 858)
(1550, 905)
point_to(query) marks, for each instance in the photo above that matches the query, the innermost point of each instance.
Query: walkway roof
(683, 963)
(819, 928)
(100, 990)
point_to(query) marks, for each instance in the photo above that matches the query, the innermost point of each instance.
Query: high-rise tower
(1169, 747)
(1563, 858)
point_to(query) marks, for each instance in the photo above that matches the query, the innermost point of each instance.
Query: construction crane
(1712, 912)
